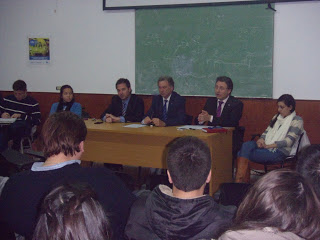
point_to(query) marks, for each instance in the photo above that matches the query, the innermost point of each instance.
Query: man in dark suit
(124, 107)
(224, 110)
(168, 108)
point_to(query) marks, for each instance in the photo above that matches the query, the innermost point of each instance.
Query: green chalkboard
(197, 44)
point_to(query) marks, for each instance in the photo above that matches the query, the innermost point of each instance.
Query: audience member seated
(124, 107)
(309, 166)
(182, 212)
(280, 206)
(168, 108)
(72, 212)
(275, 143)
(66, 102)
(22, 107)
(63, 137)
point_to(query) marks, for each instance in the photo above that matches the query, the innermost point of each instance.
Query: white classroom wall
(296, 64)
(91, 48)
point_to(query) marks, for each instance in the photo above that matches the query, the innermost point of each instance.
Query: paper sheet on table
(7, 120)
(135, 126)
(194, 127)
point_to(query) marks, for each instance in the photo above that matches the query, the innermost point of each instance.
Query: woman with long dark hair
(275, 143)
(66, 102)
(279, 206)
(72, 212)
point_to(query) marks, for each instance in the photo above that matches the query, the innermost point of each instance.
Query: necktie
(124, 109)
(219, 109)
(164, 113)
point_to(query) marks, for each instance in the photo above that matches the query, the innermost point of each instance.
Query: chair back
(3, 181)
(18, 160)
(238, 135)
(233, 193)
(33, 131)
(302, 142)
(84, 114)
(189, 119)
(237, 141)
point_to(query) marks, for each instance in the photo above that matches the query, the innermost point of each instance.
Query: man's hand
(147, 120)
(109, 120)
(16, 115)
(115, 119)
(261, 143)
(204, 116)
(108, 115)
(158, 123)
(5, 115)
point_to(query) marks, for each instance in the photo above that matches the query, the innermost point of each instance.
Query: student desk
(146, 147)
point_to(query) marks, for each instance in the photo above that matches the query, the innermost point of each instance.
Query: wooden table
(146, 147)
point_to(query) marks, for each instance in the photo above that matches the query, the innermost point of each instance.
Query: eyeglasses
(220, 88)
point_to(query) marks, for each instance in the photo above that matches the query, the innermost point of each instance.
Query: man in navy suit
(124, 107)
(168, 108)
(224, 110)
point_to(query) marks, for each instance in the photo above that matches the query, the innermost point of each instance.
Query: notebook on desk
(7, 120)
(214, 130)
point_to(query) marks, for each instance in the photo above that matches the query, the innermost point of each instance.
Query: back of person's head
(71, 212)
(281, 199)
(227, 81)
(19, 85)
(123, 80)
(168, 79)
(62, 133)
(189, 163)
(309, 165)
(288, 101)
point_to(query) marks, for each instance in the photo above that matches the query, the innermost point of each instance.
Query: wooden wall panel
(257, 113)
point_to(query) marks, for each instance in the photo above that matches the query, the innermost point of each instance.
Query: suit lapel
(129, 104)
(171, 102)
(160, 107)
(214, 107)
(118, 107)
(226, 107)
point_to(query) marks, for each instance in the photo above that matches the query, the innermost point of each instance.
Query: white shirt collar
(38, 166)
(224, 100)
(166, 99)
